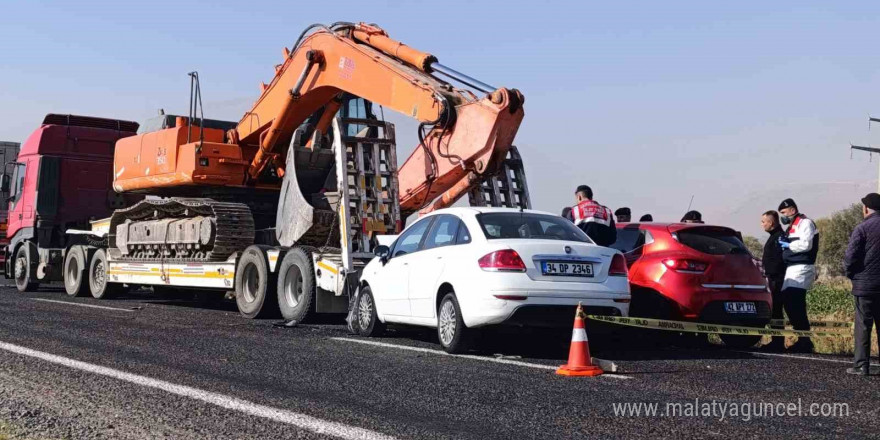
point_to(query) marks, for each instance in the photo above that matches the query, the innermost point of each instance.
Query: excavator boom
(462, 136)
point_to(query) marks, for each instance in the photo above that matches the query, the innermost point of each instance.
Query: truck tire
(99, 283)
(254, 284)
(22, 268)
(296, 286)
(76, 272)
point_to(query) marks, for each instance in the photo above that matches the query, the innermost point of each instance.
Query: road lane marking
(467, 356)
(795, 357)
(302, 421)
(70, 303)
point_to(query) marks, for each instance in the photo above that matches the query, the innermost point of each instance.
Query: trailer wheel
(75, 272)
(22, 267)
(296, 286)
(99, 283)
(253, 285)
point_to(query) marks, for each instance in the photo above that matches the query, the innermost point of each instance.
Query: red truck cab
(61, 180)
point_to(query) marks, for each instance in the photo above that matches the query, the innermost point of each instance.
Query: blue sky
(647, 102)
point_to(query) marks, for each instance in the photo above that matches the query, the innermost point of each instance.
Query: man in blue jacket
(862, 264)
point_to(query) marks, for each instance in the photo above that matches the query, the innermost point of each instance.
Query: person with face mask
(800, 246)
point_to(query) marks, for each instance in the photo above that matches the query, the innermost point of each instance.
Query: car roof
(664, 226)
(484, 210)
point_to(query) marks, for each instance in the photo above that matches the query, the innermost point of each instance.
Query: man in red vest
(594, 219)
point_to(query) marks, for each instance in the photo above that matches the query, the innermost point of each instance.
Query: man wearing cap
(594, 219)
(624, 215)
(800, 246)
(862, 264)
(692, 217)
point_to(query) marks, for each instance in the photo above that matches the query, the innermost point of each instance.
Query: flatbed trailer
(317, 279)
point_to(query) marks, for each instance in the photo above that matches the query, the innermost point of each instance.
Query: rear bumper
(540, 311)
(554, 316)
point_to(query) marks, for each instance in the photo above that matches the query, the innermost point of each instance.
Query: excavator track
(180, 230)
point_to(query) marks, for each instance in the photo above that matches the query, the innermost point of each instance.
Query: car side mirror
(4, 183)
(383, 252)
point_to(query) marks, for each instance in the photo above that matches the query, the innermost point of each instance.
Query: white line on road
(795, 357)
(69, 303)
(302, 421)
(467, 356)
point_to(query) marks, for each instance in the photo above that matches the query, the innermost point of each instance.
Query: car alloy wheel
(447, 323)
(365, 311)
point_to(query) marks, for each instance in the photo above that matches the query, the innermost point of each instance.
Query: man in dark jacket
(862, 264)
(594, 219)
(774, 270)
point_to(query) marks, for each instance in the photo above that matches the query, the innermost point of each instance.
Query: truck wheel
(75, 272)
(296, 286)
(99, 283)
(453, 334)
(253, 285)
(22, 269)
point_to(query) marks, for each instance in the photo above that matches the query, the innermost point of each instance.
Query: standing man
(774, 270)
(624, 215)
(800, 246)
(862, 264)
(594, 219)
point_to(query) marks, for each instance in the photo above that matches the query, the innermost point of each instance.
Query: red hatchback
(694, 272)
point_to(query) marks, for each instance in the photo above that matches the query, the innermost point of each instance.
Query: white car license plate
(740, 307)
(567, 268)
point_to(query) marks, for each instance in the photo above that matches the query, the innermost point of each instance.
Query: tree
(754, 245)
(834, 236)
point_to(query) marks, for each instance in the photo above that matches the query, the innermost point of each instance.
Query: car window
(518, 225)
(629, 239)
(712, 241)
(409, 241)
(464, 236)
(443, 232)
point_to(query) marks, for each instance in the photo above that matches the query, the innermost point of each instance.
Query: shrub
(834, 235)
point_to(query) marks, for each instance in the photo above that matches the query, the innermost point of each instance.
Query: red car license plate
(740, 307)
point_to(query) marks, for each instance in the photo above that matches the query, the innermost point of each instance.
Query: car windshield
(712, 241)
(516, 225)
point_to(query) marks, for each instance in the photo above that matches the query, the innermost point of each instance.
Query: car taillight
(506, 260)
(686, 266)
(618, 266)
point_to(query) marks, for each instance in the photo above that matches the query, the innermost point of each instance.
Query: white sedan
(458, 269)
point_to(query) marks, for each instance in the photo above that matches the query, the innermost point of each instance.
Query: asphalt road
(148, 368)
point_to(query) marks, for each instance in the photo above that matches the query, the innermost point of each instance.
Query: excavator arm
(462, 136)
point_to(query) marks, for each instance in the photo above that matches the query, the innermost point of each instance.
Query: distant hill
(816, 200)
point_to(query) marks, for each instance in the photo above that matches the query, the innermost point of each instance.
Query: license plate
(740, 307)
(567, 268)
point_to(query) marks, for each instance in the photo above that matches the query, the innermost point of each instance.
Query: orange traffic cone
(579, 361)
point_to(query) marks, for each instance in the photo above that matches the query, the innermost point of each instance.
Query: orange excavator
(468, 135)
(297, 190)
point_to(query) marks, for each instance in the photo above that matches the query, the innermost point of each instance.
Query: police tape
(697, 327)
(827, 324)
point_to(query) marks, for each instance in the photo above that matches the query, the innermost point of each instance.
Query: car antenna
(689, 204)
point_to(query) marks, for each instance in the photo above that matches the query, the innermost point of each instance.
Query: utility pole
(870, 150)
